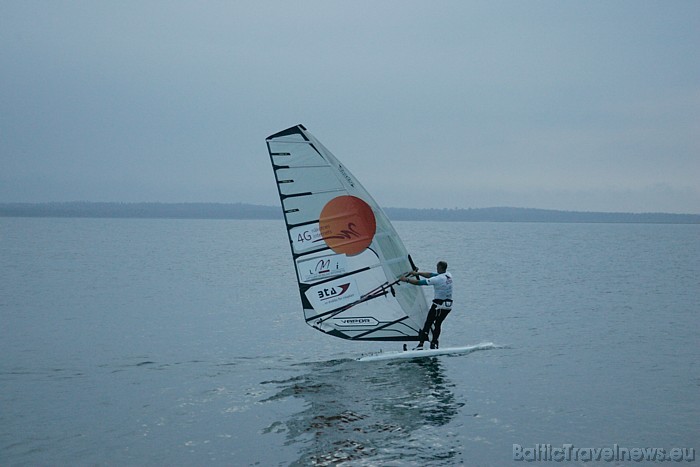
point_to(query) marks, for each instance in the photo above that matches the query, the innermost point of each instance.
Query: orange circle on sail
(347, 225)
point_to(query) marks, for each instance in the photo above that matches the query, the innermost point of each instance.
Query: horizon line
(383, 207)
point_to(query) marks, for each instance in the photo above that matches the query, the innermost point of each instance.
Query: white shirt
(442, 285)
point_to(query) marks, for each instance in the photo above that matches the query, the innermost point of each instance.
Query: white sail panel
(346, 253)
(313, 179)
(300, 209)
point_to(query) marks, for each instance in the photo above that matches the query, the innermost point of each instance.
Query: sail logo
(341, 169)
(333, 292)
(314, 269)
(344, 234)
(305, 238)
(323, 266)
(362, 321)
(347, 225)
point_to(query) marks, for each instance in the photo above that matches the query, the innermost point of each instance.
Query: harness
(442, 305)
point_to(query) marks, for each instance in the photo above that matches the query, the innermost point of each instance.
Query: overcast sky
(588, 105)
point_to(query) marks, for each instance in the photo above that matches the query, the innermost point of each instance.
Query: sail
(346, 253)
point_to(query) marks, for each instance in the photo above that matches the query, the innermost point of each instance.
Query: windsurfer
(442, 301)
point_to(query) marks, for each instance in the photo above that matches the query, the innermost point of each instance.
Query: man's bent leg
(439, 318)
(428, 323)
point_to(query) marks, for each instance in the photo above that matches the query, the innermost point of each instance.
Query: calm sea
(181, 342)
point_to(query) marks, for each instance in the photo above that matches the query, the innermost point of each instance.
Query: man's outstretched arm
(422, 274)
(413, 281)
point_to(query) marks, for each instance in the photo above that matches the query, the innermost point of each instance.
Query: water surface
(182, 342)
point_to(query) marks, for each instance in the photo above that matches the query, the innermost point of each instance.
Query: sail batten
(345, 251)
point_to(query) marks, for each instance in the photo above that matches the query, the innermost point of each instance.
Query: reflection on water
(370, 412)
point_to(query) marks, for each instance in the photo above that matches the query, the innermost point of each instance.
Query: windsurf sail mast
(346, 253)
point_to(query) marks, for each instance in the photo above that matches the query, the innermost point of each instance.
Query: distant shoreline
(254, 211)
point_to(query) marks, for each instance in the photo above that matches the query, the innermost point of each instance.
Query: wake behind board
(411, 354)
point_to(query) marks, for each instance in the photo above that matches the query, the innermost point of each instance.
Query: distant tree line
(503, 214)
(142, 210)
(253, 211)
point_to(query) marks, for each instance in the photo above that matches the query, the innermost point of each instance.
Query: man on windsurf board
(442, 301)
